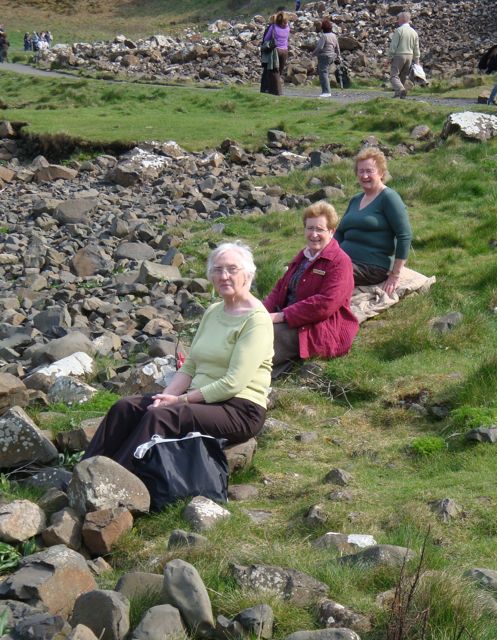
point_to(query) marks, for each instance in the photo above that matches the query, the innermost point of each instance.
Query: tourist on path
(221, 389)
(375, 230)
(310, 304)
(327, 51)
(280, 32)
(404, 50)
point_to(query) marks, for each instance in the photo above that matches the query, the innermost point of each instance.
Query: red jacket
(326, 325)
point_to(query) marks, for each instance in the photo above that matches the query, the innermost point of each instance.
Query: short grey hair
(243, 250)
(404, 15)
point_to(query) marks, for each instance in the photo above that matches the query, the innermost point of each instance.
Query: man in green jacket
(404, 50)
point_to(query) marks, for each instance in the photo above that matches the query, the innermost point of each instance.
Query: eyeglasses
(318, 230)
(231, 271)
(367, 172)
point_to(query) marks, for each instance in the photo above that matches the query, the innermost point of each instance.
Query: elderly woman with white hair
(221, 390)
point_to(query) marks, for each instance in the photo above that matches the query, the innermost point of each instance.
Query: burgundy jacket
(326, 325)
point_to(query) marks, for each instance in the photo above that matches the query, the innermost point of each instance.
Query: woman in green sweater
(221, 390)
(375, 231)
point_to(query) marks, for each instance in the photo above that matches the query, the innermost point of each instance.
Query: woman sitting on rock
(375, 230)
(310, 304)
(221, 390)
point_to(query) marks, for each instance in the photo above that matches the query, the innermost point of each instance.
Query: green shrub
(427, 445)
(467, 418)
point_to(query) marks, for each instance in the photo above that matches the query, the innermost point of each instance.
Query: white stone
(77, 364)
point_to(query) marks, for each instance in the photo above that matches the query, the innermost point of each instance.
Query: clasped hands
(163, 400)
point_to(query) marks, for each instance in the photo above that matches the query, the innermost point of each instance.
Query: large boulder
(50, 579)
(22, 442)
(61, 348)
(105, 612)
(183, 588)
(296, 586)
(100, 483)
(470, 125)
(13, 392)
(20, 520)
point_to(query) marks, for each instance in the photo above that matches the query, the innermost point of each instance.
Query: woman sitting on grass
(375, 230)
(310, 304)
(221, 390)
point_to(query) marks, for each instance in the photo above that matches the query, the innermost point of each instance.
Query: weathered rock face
(290, 584)
(231, 54)
(22, 441)
(20, 520)
(470, 125)
(101, 483)
(50, 579)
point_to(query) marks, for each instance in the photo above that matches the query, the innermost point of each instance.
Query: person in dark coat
(488, 61)
(310, 304)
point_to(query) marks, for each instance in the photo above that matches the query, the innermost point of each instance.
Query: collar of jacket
(328, 253)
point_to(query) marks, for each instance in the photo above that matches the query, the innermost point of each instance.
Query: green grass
(200, 118)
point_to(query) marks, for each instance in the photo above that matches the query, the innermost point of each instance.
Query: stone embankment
(453, 35)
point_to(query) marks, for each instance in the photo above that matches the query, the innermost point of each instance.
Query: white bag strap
(142, 449)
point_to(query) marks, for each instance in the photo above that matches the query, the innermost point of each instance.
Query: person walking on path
(327, 51)
(4, 46)
(404, 50)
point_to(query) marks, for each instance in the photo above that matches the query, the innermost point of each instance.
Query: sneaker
(325, 95)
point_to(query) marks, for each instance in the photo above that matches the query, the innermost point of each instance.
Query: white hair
(404, 15)
(245, 253)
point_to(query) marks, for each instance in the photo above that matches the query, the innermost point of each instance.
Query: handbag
(268, 45)
(177, 468)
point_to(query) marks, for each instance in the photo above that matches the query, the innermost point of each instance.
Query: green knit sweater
(231, 356)
(377, 234)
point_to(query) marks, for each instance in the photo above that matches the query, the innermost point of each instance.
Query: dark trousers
(366, 274)
(286, 349)
(129, 423)
(272, 80)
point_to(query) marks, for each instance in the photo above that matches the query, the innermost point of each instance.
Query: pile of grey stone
(90, 253)
(453, 36)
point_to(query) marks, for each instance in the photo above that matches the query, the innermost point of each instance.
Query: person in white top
(403, 51)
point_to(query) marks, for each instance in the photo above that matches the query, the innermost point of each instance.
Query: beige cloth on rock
(370, 300)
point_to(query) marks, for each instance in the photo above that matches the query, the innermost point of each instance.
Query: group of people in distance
(242, 343)
(37, 41)
(403, 52)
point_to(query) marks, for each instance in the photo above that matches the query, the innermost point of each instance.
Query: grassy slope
(452, 200)
(103, 19)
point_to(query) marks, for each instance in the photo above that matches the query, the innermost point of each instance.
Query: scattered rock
(203, 513)
(300, 588)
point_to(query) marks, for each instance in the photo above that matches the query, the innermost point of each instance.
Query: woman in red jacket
(310, 304)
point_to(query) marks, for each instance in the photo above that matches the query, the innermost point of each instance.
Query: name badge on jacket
(319, 272)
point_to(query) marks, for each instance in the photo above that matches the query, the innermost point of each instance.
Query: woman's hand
(391, 283)
(163, 400)
(277, 317)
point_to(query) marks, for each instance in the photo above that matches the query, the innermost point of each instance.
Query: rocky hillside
(453, 35)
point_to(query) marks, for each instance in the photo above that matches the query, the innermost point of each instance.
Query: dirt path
(344, 96)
